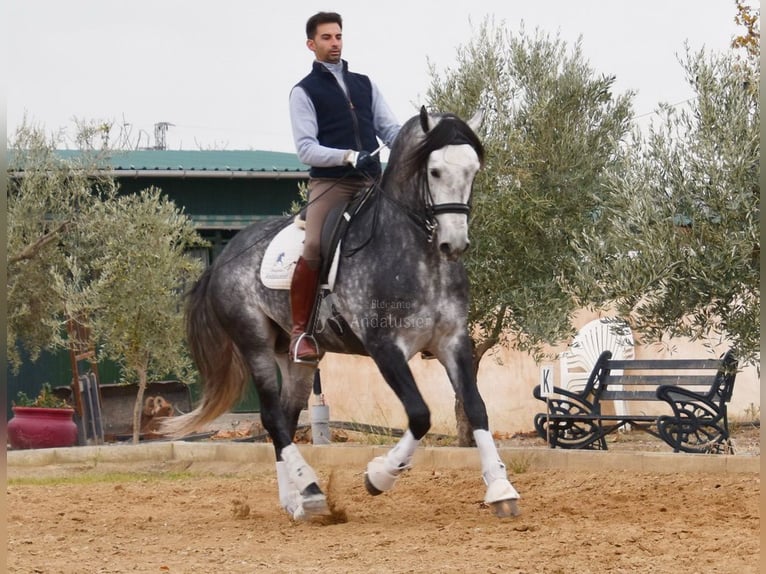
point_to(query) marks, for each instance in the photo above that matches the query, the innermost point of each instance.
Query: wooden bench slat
(629, 395)
(664, 364)
(656, 380)
(610, 418)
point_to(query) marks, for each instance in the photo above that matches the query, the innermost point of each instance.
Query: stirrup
(300, 361)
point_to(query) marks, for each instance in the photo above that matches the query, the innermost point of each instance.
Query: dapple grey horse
(401, 289)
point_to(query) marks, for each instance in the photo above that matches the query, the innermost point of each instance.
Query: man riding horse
(402, 247)
(336, 116)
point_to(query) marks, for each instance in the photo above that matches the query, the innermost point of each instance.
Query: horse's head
(442, 164)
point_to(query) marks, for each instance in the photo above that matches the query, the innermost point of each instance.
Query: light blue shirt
(305, 127)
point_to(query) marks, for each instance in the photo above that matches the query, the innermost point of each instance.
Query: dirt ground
(224, 518)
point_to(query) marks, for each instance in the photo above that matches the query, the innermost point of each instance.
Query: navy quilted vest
(343, 122)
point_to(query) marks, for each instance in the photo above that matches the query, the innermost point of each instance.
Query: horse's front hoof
(314, 502)
(371, 487)
(380, 477)
(506, 508)
(315, 505)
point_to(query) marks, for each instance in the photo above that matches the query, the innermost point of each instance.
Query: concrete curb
(357, 456)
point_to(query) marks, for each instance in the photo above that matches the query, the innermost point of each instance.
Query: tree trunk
(139, 406)
(464, 429)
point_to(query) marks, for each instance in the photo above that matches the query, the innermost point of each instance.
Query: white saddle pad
(282, 255)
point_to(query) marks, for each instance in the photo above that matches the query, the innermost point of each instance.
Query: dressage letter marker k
(546, 381)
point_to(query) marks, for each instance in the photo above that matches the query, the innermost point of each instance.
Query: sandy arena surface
(205, 517)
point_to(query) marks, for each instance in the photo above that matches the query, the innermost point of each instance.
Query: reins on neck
(427, 222)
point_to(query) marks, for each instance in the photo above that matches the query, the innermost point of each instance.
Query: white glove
(358, 159)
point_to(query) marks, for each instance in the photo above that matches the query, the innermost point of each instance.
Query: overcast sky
(220, 71)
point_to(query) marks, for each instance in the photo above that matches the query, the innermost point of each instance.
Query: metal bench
(696, 390)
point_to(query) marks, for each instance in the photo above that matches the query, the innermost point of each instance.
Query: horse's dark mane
(409, 162)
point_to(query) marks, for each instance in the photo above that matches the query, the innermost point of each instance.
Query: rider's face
(327, 43)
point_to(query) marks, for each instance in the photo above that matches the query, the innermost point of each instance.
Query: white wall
(356, 392)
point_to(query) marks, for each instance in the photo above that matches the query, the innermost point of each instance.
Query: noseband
(434, 209)
(428, 222)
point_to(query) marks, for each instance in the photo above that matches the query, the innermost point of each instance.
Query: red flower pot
(37, 427)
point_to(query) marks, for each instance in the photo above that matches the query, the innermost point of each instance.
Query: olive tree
(77, 250)
(140, 269)
(676, 243)
(552, 128)
(50, 198)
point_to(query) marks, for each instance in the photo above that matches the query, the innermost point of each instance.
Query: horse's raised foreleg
(383, 471)
(500, 495)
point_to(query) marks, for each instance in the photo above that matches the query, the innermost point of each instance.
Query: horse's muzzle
(452, 251)
(451, 235)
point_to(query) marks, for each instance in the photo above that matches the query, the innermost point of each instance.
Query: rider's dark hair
(322, 18)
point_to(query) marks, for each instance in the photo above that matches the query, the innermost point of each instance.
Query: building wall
(221, 196)
(356, 392)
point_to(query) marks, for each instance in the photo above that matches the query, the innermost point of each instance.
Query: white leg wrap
(493, 470)
(300, 473)
(382, 471)
(289, 497)
(299, 476)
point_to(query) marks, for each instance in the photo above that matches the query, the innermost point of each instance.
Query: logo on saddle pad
(282, 255)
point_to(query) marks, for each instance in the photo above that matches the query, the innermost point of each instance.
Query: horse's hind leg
(297, 385)
(299, 492)
(500, 495)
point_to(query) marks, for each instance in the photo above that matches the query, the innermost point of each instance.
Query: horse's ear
(475, 122)
(425, 120)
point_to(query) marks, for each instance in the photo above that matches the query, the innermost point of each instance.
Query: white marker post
(546, 390)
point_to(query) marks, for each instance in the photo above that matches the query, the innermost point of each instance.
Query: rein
(427, 223)
(425, 218)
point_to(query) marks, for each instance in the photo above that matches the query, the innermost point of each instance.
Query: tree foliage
(49, 200)
(138, 286)
(750, 40)
(551, 130)
(79, 250)
(677, 242)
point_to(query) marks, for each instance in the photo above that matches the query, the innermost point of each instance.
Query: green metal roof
(208, 160)
(202, 163)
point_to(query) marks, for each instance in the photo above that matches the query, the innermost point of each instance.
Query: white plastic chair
(606, 334)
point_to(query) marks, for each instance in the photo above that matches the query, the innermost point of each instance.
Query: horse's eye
(435, 173)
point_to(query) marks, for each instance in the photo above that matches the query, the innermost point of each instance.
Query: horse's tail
(222, 369)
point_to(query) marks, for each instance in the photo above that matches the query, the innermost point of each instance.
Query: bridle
(428, 222)
(434, 209)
